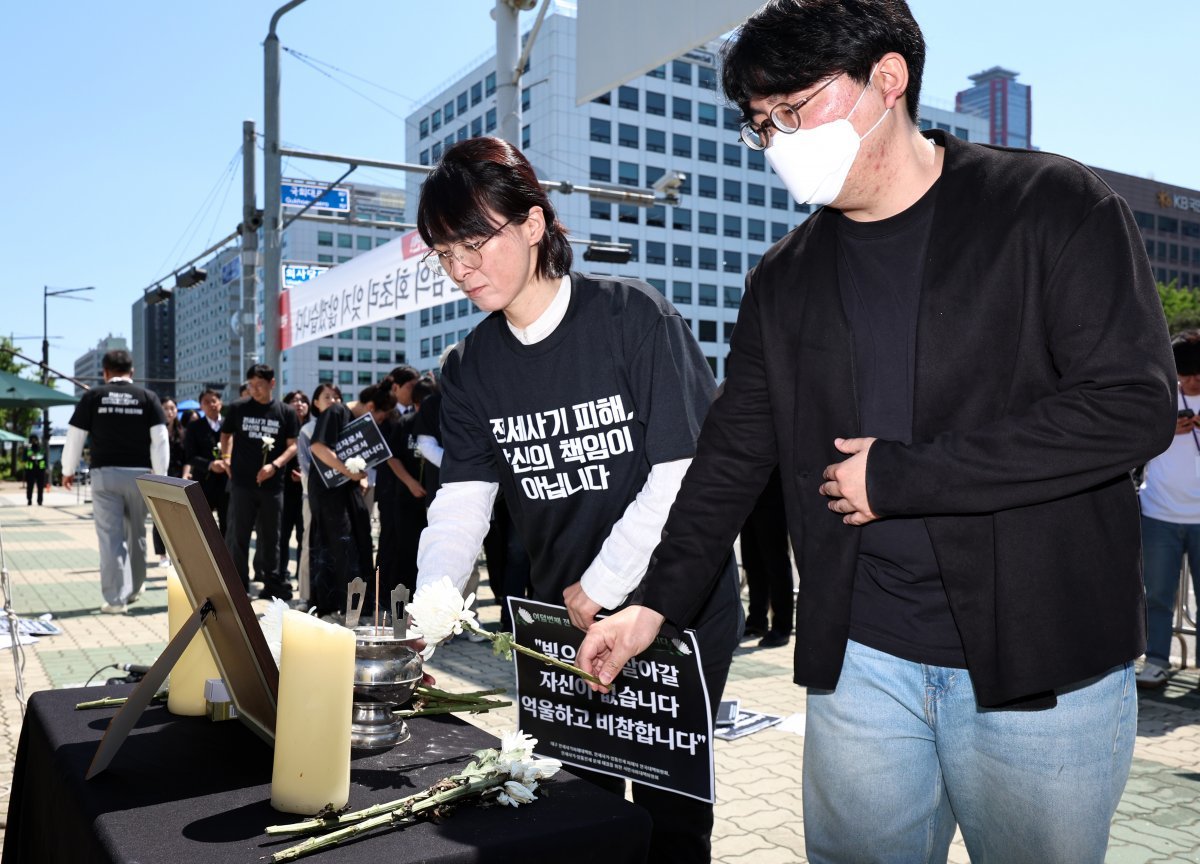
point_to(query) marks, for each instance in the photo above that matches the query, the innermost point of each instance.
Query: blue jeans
(900, 753)
(1163, 546)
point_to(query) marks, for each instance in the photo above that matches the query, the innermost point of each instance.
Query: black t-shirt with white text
(571, 425)
(119, 416)
(250, 422)
(331, 425)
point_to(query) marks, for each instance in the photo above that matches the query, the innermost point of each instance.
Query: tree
(1180, 305)
(18, 420)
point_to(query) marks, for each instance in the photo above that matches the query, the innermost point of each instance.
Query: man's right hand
(218, 466)
(68, 481)
(611, 643)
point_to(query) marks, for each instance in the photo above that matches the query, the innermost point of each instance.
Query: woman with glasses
(582, 398)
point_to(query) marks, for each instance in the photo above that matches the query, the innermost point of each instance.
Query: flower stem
(536, 655)
(470, 707)
(399, 813)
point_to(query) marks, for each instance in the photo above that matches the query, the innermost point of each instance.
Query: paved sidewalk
(50, 553)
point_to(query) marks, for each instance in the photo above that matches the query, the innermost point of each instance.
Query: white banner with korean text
(380, 284)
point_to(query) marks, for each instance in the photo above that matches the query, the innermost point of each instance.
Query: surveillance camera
(669, 183)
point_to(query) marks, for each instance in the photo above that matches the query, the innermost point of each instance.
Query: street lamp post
(47, 293)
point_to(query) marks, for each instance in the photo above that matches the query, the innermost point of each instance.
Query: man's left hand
(846, 482)
(581, 607)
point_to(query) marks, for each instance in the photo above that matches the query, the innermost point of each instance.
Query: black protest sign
(655, 726)
(361, 438)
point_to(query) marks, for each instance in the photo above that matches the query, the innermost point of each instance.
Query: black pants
(251, 507)
(401, 521)
(291, 522)
(765, 557)
(38, 480)
(682, 832)
(507, 562)
(342, 548)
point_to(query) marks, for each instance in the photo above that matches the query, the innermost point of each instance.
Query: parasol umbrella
(188, 405)
(7, 437)
(17, 392)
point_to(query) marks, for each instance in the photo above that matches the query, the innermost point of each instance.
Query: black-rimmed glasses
(466, 254)
(784, 117)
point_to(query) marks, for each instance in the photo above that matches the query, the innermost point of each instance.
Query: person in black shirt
(202, 456)
(129, 437)
(401, 495)
(258, 439)
(35, 470)
(175, 459)
(292, 520)
(339, 513)
(582, 397)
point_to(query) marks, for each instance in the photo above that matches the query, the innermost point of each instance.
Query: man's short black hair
(208, 391)
(425, 386)
(401, 375)
(118, 361)
(260, 370)
(791, 45)
(1186, 347)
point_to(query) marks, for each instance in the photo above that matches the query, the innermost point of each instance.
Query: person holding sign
(582, 397)
(339, 514)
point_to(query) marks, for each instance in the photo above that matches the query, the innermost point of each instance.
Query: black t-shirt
(571, 425)
(331, 425)
(900, 603)
(429, 422)
(249, 422)
(119, 415)
(385, 480)
(402, 440)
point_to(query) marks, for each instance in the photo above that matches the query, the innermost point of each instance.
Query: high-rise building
(673, 118)
(88, 368)
(219, 325)
(1006, 105)
(154, 347)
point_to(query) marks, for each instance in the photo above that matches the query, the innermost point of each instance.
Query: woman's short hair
(488, 174)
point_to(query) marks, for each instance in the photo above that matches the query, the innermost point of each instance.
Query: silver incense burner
(386, 673)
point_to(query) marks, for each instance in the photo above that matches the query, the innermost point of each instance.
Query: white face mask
(814, 163)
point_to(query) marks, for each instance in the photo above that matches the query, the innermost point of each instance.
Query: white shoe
(114, 609)
(1153, 675)
(164, 561)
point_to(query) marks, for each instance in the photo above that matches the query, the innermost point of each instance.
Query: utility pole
(508, 76)
(272, 203)
(250, 223)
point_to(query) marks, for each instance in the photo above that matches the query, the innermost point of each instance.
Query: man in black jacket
(202, 455)
(955, 365)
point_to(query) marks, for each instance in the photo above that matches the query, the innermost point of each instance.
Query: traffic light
(190, 277)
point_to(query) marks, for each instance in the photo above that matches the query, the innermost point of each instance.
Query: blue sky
(122, 121)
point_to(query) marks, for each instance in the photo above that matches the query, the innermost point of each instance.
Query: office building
(219, 332)
(154, 348)
(1007, 106)
(673, 118)
(88, 368)
(1169, 219)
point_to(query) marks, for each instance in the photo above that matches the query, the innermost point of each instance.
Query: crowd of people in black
(260, 460)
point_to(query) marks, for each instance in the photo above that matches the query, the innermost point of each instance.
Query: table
(185, 789)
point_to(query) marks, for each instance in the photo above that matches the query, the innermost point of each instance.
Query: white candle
(185, 695)
(312, 725)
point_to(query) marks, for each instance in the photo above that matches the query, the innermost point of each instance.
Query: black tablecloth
(184, 789)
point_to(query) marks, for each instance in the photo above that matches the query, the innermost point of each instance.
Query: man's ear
(891, 78)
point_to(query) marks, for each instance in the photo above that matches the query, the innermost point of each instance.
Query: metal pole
(272, 205)
(508, 76)
(45, 368)
(249, 248)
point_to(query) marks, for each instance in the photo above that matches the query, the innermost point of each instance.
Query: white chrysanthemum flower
(516, 746)
(531, 770)
(356, 464)
(515, 794)
(438, 612)
(268, 442)
(272, 627)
